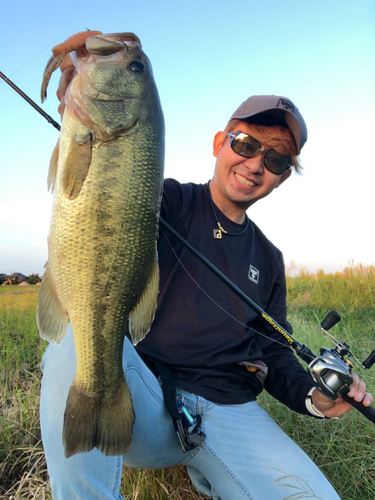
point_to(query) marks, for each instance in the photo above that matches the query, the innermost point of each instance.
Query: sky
(209, 56)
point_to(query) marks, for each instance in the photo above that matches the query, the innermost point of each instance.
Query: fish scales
(112, 253)
(102, 265)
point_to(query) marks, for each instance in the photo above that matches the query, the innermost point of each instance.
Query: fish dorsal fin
(142, 316)
(77, 166)
(51, 318)
(52, 172)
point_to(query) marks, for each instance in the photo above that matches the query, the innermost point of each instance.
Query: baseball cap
(280, 107)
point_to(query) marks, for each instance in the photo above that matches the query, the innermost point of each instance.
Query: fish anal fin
(51, 318)
(52, 172)
(142, 316)
(77, 166)
(106, 425)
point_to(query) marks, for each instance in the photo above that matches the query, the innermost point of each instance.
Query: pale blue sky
(208, 56)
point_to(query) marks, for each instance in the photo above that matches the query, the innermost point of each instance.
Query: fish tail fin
(106, 424)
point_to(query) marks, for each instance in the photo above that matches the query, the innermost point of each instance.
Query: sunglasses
(248, 147)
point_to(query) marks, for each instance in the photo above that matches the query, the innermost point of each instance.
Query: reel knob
(330, 320)
(369, 361)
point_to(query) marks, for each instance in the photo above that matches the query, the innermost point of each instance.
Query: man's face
(240, 181)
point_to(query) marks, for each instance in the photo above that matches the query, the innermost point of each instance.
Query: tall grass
(344, 449)
(22, 464)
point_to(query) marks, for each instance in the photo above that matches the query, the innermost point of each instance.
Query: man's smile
(242, 180)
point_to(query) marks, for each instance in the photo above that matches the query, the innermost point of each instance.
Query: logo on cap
(284, 103)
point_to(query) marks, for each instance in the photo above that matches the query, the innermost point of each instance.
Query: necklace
(218, 233)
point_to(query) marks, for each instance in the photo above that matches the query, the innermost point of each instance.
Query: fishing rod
(330, 371)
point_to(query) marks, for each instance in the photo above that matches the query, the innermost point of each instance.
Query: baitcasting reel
(331, 371)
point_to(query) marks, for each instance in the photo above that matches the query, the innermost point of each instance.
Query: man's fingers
(368, 399)
(358, 391)
(66, 78)
(66, 63)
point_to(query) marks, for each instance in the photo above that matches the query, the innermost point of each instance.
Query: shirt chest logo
(253, 274)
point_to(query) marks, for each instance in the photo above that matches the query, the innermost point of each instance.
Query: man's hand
(338, 407)
(67, 70)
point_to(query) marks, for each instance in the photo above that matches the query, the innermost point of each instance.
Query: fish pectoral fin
(77, 166)
(142, 316)
(51, 318)
(51, 179)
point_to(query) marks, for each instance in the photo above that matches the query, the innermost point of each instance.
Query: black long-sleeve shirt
(202, 331)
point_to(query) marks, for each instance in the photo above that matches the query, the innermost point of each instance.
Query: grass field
(343, 449)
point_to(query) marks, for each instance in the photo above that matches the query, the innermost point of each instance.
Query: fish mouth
(119, 37)
(105, 45)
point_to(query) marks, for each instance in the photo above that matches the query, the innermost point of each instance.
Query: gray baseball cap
(278, 106)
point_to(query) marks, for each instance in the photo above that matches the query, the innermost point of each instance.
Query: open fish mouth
(104, 45)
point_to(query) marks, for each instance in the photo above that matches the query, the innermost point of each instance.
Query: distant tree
(33, 279)
(2, 279)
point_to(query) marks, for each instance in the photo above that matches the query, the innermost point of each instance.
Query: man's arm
(287, 380)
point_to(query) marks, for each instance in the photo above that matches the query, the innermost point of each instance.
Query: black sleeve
(287, 380)
(172, 200)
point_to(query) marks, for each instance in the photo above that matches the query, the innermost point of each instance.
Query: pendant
(218, 233)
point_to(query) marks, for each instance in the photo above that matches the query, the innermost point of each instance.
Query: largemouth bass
(106, 172)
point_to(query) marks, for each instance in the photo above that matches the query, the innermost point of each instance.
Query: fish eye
(137, 66)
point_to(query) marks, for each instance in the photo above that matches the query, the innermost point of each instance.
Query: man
(219, 353)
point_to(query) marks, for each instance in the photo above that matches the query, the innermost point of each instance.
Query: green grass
(344, 449)
(22, 464)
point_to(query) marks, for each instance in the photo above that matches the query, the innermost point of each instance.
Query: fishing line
(42, 50)
(28, 60)
(214, 301)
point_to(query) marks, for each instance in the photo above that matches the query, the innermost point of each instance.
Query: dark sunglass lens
(276, 162)
(245, 145)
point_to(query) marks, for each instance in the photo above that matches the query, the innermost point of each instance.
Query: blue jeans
(245, 454)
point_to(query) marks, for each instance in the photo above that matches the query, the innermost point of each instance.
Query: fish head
(113, 88)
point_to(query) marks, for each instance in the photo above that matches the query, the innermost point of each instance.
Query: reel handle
(330, 320)
(367, 411)
(369, 361)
